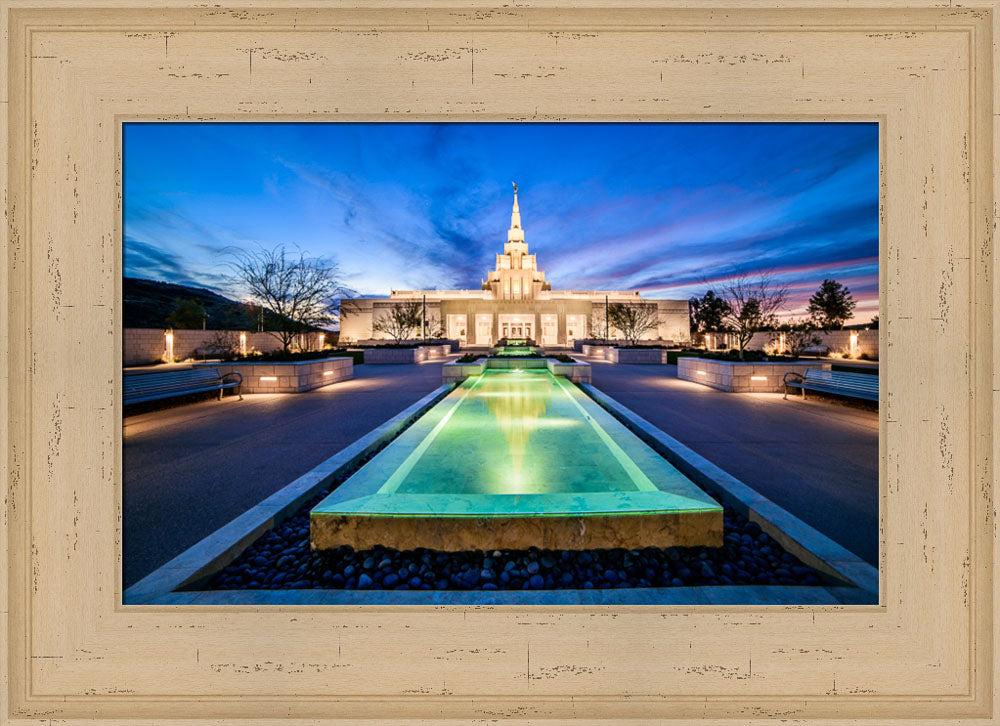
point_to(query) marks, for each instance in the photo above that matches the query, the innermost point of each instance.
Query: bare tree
(752, 301)
(433, 327)
(798, 335)
(400, 321)
(598, 324)
(633, 320)
(300, 291)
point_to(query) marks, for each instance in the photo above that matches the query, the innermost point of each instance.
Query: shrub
(279, 356)
(673, 355)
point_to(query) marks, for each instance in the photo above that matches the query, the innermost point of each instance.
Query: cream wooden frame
(925, 72)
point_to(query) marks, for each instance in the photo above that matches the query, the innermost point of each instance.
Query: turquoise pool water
(513, 350)
(519, 443)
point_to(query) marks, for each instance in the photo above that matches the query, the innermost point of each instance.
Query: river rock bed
(281, 560)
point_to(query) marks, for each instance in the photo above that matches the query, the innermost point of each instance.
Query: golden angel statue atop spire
(515, 187)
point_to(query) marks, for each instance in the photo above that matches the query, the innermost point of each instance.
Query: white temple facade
(515, 301)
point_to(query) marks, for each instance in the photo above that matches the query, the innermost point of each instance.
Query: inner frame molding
(76, 72)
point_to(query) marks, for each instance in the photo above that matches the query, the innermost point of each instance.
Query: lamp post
(607, 330)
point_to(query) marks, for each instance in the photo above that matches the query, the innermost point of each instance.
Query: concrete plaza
(192, 468)
(816, 458)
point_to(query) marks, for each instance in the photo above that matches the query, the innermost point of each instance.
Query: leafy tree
(751, 303)
(831, 305)
(874, 322)
(708, 313)
(301, 292)
(400, 321)
(187, 315)
(633, 320)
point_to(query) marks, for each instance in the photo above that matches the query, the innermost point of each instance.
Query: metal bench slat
(858, 385)
(152, 386)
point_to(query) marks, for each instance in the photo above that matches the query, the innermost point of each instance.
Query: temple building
(515, 301)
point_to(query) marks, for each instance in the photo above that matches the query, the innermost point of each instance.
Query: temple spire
(515, 215)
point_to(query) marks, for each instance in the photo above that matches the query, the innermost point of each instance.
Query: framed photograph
(508, 363)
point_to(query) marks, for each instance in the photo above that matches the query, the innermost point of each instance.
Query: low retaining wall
(419, 354)
(381, 356)
(515, 363)
(288, 377)
(641, 356)
(455, 372)
(595, 351)
(454, 345)
(141, 346)
(844, 342)
(577, 372)
(437, 352)
(738, 377)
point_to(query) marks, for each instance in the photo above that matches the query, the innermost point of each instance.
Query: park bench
(855, 385)
(141, 387)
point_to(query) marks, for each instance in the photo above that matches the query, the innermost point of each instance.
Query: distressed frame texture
(74, 72)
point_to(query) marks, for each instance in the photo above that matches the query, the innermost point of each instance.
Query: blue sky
(670, 209)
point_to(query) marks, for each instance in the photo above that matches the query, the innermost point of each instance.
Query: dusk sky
(669, 209)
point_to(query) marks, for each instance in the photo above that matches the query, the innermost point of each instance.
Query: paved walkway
(193, 468)
(818, 459)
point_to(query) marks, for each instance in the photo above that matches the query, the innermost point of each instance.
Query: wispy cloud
(665, 208)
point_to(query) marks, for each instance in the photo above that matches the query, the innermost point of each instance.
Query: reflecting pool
(516, 445)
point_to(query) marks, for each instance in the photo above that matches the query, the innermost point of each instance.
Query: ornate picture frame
(76, 70)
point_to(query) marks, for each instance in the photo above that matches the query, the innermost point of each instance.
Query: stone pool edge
(214, 552)
(803, 541)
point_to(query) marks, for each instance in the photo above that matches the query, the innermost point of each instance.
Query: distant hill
(147, 304)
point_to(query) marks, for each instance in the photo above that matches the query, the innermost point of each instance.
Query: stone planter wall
(577, 372)
(454, 345)
(437, 352)
(512, 363)
(647, 356)
(595, 351)
(460, 371)
(736, 377)
(288, 377)
(382, 356)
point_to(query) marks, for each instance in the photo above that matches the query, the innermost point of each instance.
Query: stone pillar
(537, 332)
(561, 326)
